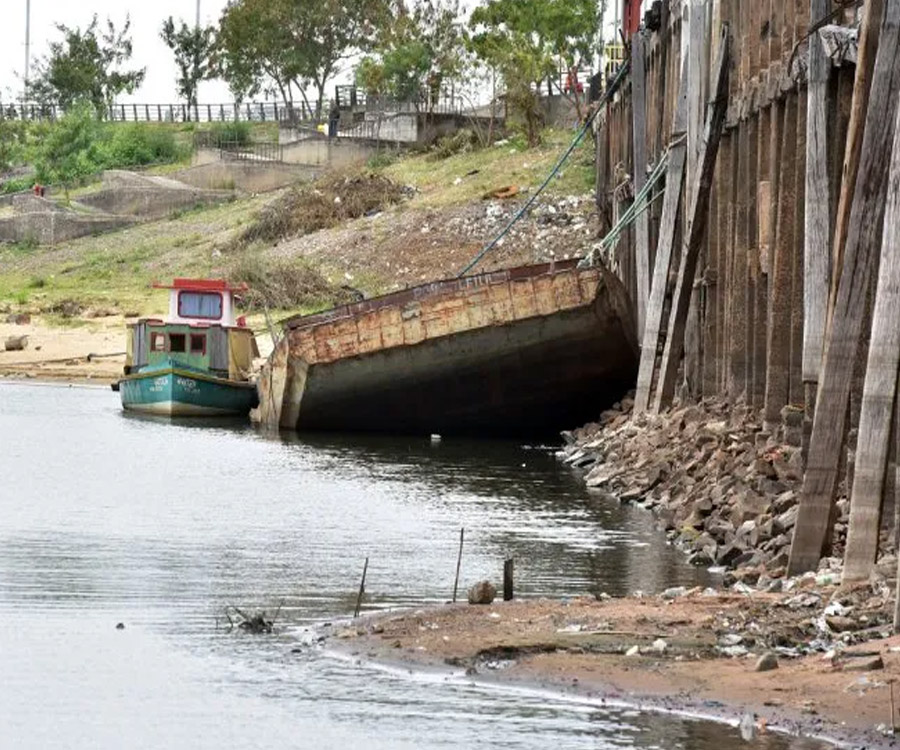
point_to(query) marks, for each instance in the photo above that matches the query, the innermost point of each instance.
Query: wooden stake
(462, 534)
(507, 580)
(860, 262)
(893, 711)
(639, 122)
(818, 219)
(697, 217)
(362, 589)
(664, 250)
(873, 444)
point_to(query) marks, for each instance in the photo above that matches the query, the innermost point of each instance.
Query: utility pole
(27, 49)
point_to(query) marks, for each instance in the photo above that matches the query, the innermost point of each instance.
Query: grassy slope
(510, 163)
(115, 270)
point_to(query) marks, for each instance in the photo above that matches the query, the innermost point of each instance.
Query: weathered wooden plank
(664, 250)
(639, 123)
(873, 444)
(868, 45)
(760, 195)
(739, 309)
(859, 264)
(697, 217)
(797, 388)
(696, 52)
(778, 343)
(818, 223)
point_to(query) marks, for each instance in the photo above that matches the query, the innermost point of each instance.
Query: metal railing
(179, 113)
(253, 152)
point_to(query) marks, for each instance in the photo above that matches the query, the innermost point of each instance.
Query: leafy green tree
(70, 149)
(193, 48)
(12, 143)
(292, 44)
(529, 42)
(421, 51)
(87, 66)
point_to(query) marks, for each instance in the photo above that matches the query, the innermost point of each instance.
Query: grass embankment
(469, 175)
(114, 271)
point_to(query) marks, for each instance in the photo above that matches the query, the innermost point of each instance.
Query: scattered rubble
(483, 592)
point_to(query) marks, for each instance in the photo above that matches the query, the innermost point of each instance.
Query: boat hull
(521, 352)
(174, 392)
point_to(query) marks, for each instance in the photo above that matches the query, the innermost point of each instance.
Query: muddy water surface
(106, 518)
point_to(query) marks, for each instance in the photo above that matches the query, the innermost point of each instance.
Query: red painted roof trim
(201, 285)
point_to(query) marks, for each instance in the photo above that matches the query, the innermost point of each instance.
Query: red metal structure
(631, 17)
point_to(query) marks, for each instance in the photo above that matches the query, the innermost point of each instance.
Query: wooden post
(508, 580)
(778, 341)
(362, 589)
(813, 530)
(695, 51)
(664, 250)
(797, 387)
(639, 123)
(698, 214)
(818, 224)
(462, 534)
(873, 444)
(865, 64)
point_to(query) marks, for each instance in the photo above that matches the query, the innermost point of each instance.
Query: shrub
(137, 143)
(17, 184)
(461, 142)
(321, 205)
(283, 283)
(231, 132)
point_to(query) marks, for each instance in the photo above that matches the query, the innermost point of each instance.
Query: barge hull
(532, 377)
(524, 351)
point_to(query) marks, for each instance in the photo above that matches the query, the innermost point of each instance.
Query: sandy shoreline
(577, 648)
(66, 354)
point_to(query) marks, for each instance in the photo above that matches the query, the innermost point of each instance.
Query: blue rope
(610, 90)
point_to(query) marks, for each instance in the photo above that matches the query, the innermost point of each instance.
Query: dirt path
(587, 647)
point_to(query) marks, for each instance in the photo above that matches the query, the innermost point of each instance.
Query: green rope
(637, 207)
(610, 90)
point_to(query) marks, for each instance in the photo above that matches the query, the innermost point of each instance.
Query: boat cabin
(200, 333)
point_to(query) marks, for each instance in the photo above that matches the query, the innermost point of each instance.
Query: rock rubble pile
(725, 489)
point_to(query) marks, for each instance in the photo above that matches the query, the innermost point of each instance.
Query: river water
(108, 518)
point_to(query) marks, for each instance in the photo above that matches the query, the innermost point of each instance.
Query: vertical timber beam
(797, 387)
(639, 123)
(778, 341)
(696, 221)
(664, 250)
(696, 50)
(816, 259)
(874, 439)
(813, 530)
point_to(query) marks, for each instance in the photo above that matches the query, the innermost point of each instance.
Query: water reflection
(160, 524)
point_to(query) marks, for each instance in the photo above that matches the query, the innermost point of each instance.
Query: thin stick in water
(362, 588)
(462, 534)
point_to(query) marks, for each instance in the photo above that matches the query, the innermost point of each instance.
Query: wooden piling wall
(764, 298)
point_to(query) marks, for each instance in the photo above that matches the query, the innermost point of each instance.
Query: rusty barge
(522, 351)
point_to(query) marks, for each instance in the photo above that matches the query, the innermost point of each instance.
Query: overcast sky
(149, 51)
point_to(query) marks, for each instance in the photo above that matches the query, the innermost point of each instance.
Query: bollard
(508, 580)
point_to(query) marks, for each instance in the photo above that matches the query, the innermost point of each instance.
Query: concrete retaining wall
(248, 177)
(51, 227)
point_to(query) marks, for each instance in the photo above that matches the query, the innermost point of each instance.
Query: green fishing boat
(197, 362)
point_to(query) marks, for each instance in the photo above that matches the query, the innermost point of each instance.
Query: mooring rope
(610, 90)
(637, 207)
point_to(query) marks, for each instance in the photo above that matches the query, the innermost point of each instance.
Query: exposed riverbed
(108, 518)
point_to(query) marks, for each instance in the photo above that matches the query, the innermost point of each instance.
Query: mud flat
(696, 652)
